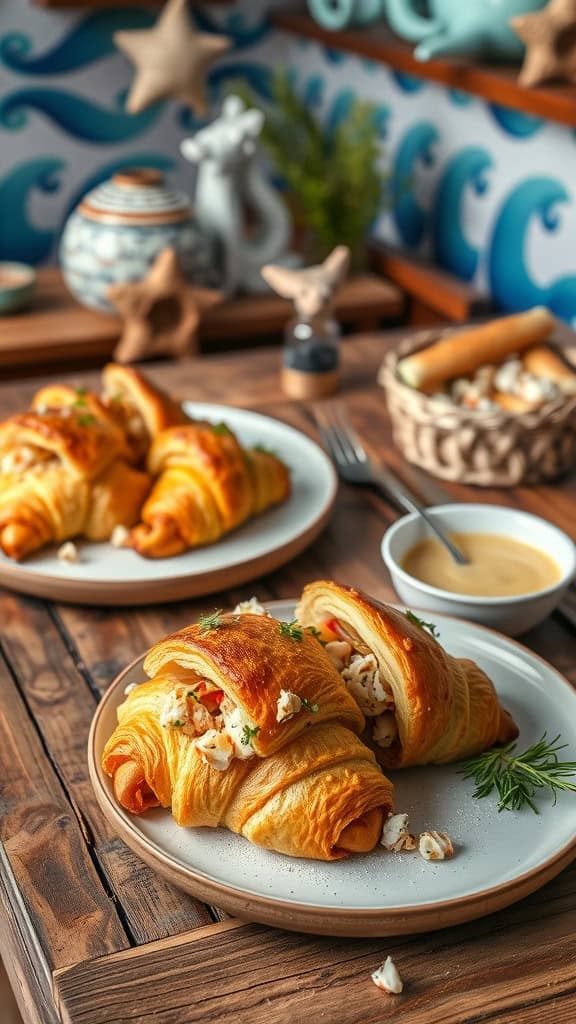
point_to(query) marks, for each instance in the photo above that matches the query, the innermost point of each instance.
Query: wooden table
(92, 936)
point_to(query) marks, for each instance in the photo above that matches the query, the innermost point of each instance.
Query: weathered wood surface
(126, 946)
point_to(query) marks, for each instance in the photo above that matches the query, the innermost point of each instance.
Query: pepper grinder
(310, 361)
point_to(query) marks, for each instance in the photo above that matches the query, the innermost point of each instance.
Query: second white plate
(112, 576)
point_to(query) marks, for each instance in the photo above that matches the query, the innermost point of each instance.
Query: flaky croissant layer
(427, 706)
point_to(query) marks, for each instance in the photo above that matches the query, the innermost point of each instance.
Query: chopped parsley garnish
(177, 724)
(291, 629)
(314, 632)
(194, 695)
(208, 622)
(221, 428)
(87, 420)
(265, 450)
(420, 622)
(248, 734)
(313, 708)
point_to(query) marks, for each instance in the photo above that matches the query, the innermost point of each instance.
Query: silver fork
(355, 467)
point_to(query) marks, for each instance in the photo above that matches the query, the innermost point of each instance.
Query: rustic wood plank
(63, 706)
(71, 913)
(488, 972)
(431, 286)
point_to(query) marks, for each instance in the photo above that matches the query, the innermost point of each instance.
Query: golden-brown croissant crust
(207, 485)
(424, 706)
(305, 786)
(81, 441)
(63, 474)
(141, 409)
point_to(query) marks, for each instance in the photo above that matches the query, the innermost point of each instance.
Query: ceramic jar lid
(136, 197)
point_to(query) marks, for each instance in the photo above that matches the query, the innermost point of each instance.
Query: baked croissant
(62, 473)
(424, 706)
(140, 408)
(207, 485)
(247, 724)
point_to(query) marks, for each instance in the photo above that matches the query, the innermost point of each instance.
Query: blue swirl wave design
(235, 26)
(221, 80)
(451, 249)
(409, 217)
(19, 239)
(81, 118)
(340, 110)
(510, 281)
(314, 91)
(460, 98)
(334, 56)
(407, 83)
(89, 41)
(156, 160)
(514, 122)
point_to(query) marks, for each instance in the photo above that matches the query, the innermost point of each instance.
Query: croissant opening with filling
(245, 723)
(423, 706)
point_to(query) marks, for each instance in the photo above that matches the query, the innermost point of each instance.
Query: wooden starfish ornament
(313, 288)
(550, 38)
(161, 312)
(171, 59)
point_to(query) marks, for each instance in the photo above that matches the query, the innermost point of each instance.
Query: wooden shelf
(495, 84)
(56, 331)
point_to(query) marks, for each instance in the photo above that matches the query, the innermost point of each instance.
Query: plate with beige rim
(117, 576)
(499, 857)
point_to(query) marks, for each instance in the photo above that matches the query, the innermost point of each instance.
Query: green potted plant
(330, 177)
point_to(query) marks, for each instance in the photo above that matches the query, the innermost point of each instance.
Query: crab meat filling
(214, 723)
(361, 674)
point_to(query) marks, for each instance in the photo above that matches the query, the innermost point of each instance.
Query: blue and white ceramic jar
(117, 231)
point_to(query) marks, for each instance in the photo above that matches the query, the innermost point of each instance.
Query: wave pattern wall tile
(63, 127)
(485, 192)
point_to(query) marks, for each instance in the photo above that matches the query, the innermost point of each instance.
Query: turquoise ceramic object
(17, 285)
(337, 14)
(476, 28)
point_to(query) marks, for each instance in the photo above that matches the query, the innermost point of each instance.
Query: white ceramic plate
(107, 575)
(499, 857)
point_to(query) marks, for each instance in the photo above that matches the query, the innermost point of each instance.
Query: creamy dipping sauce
(499, 566)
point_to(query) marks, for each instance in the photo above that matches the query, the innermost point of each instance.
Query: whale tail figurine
(448, 27)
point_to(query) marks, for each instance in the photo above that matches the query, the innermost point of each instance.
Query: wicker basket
(483, 447)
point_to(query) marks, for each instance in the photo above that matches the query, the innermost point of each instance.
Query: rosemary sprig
(420, 622)
(517, 778)
(208, 622)
(291, 629)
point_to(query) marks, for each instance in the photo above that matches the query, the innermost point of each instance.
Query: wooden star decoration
(550, 38)
(171, 59)
(161, 312)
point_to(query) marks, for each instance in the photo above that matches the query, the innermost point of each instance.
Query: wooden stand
(56, 331)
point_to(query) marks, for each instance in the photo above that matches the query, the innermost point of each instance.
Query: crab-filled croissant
(423, 706)
(206, 485)
(63, 472)
(246, 724)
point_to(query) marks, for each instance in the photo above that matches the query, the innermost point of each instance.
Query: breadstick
(513, 403)
(543, 361)
(462, 354)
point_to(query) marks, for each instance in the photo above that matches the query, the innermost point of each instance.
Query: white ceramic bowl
(511, 615)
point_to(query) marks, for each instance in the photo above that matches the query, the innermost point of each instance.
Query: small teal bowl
(17, 286)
